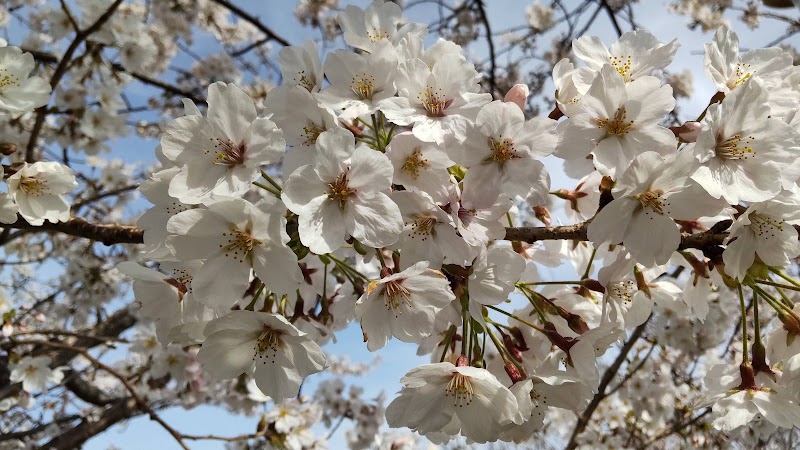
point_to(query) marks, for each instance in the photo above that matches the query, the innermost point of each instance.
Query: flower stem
(745, 356)
(268, 189)
(448, 338)
(344, 266)
(772, 283)
(589, 265)
(784, 276)
(517, 318)
(271, 181)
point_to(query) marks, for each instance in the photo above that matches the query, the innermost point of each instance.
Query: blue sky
(397, 358)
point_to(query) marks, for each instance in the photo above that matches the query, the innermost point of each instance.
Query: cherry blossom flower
(618, 121)
(501, 152)
(764, 230)
(493, 277)
(647, 198)
(20, 92)
(220, 155)
(232, 236)
(168, 300)
(403, 305)
(368, 29)
(445, 398)
(741, 149)
(301, 66)
(302, 119)
(635, 54)
(38, 190)
(736, 402)
(429, 233)
(729, 70)
(439, 100)
(358, 82)
(265, 346)
(340, 195)
(419, 166)
(35, 373)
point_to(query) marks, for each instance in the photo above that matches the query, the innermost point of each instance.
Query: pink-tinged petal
(228, 353)
(370, 170)
(302, 189)
(611, 224)
(739, 255)
(322, 225)
(374, 220)
(230, 109)
(639, 239)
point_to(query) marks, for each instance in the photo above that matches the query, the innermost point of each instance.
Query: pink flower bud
(688, 132)
(518, 94)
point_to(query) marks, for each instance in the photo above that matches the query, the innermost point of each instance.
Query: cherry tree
(196, 209)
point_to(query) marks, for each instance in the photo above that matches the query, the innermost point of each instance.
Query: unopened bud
(688, 132)
(513, 372)
(353, 127)
(760, 365)
(542, 214)
(513, 349)
(262, 425)
(593, 285)
(7, 148)
(385, 272)
(748, 377)
(462, 361)
(518, 95)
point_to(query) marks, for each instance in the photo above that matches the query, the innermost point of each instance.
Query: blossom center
(240, 244)
(622, 64)
(7, 79)
(502, 150)
(339, 191)
(618, 125)
(460, 388)
(764, 226)
(396, 295)
(435, 101)
(33, 186)
(735, 147)
(303, 80)
(741, 74)
(422, 227)
(414, 163)
(228, 154)
(267, 344)
(311, 132)
(376, 34)
(652, 199)
(622, 290)
(363, 86)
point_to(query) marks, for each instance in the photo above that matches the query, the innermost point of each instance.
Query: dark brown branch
(108, 234)
(52, 59)
(86, 391)
(61, 69)
(253, 20)
(613, 16)
(490, 42)
(608, 375)
(75, 437)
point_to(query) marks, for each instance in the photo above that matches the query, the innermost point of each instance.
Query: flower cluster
(398, 178)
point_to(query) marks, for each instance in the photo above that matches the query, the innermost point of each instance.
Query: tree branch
(61, 69)
(490, 42)
(253, 20)
(608, 375)
(108, 234)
